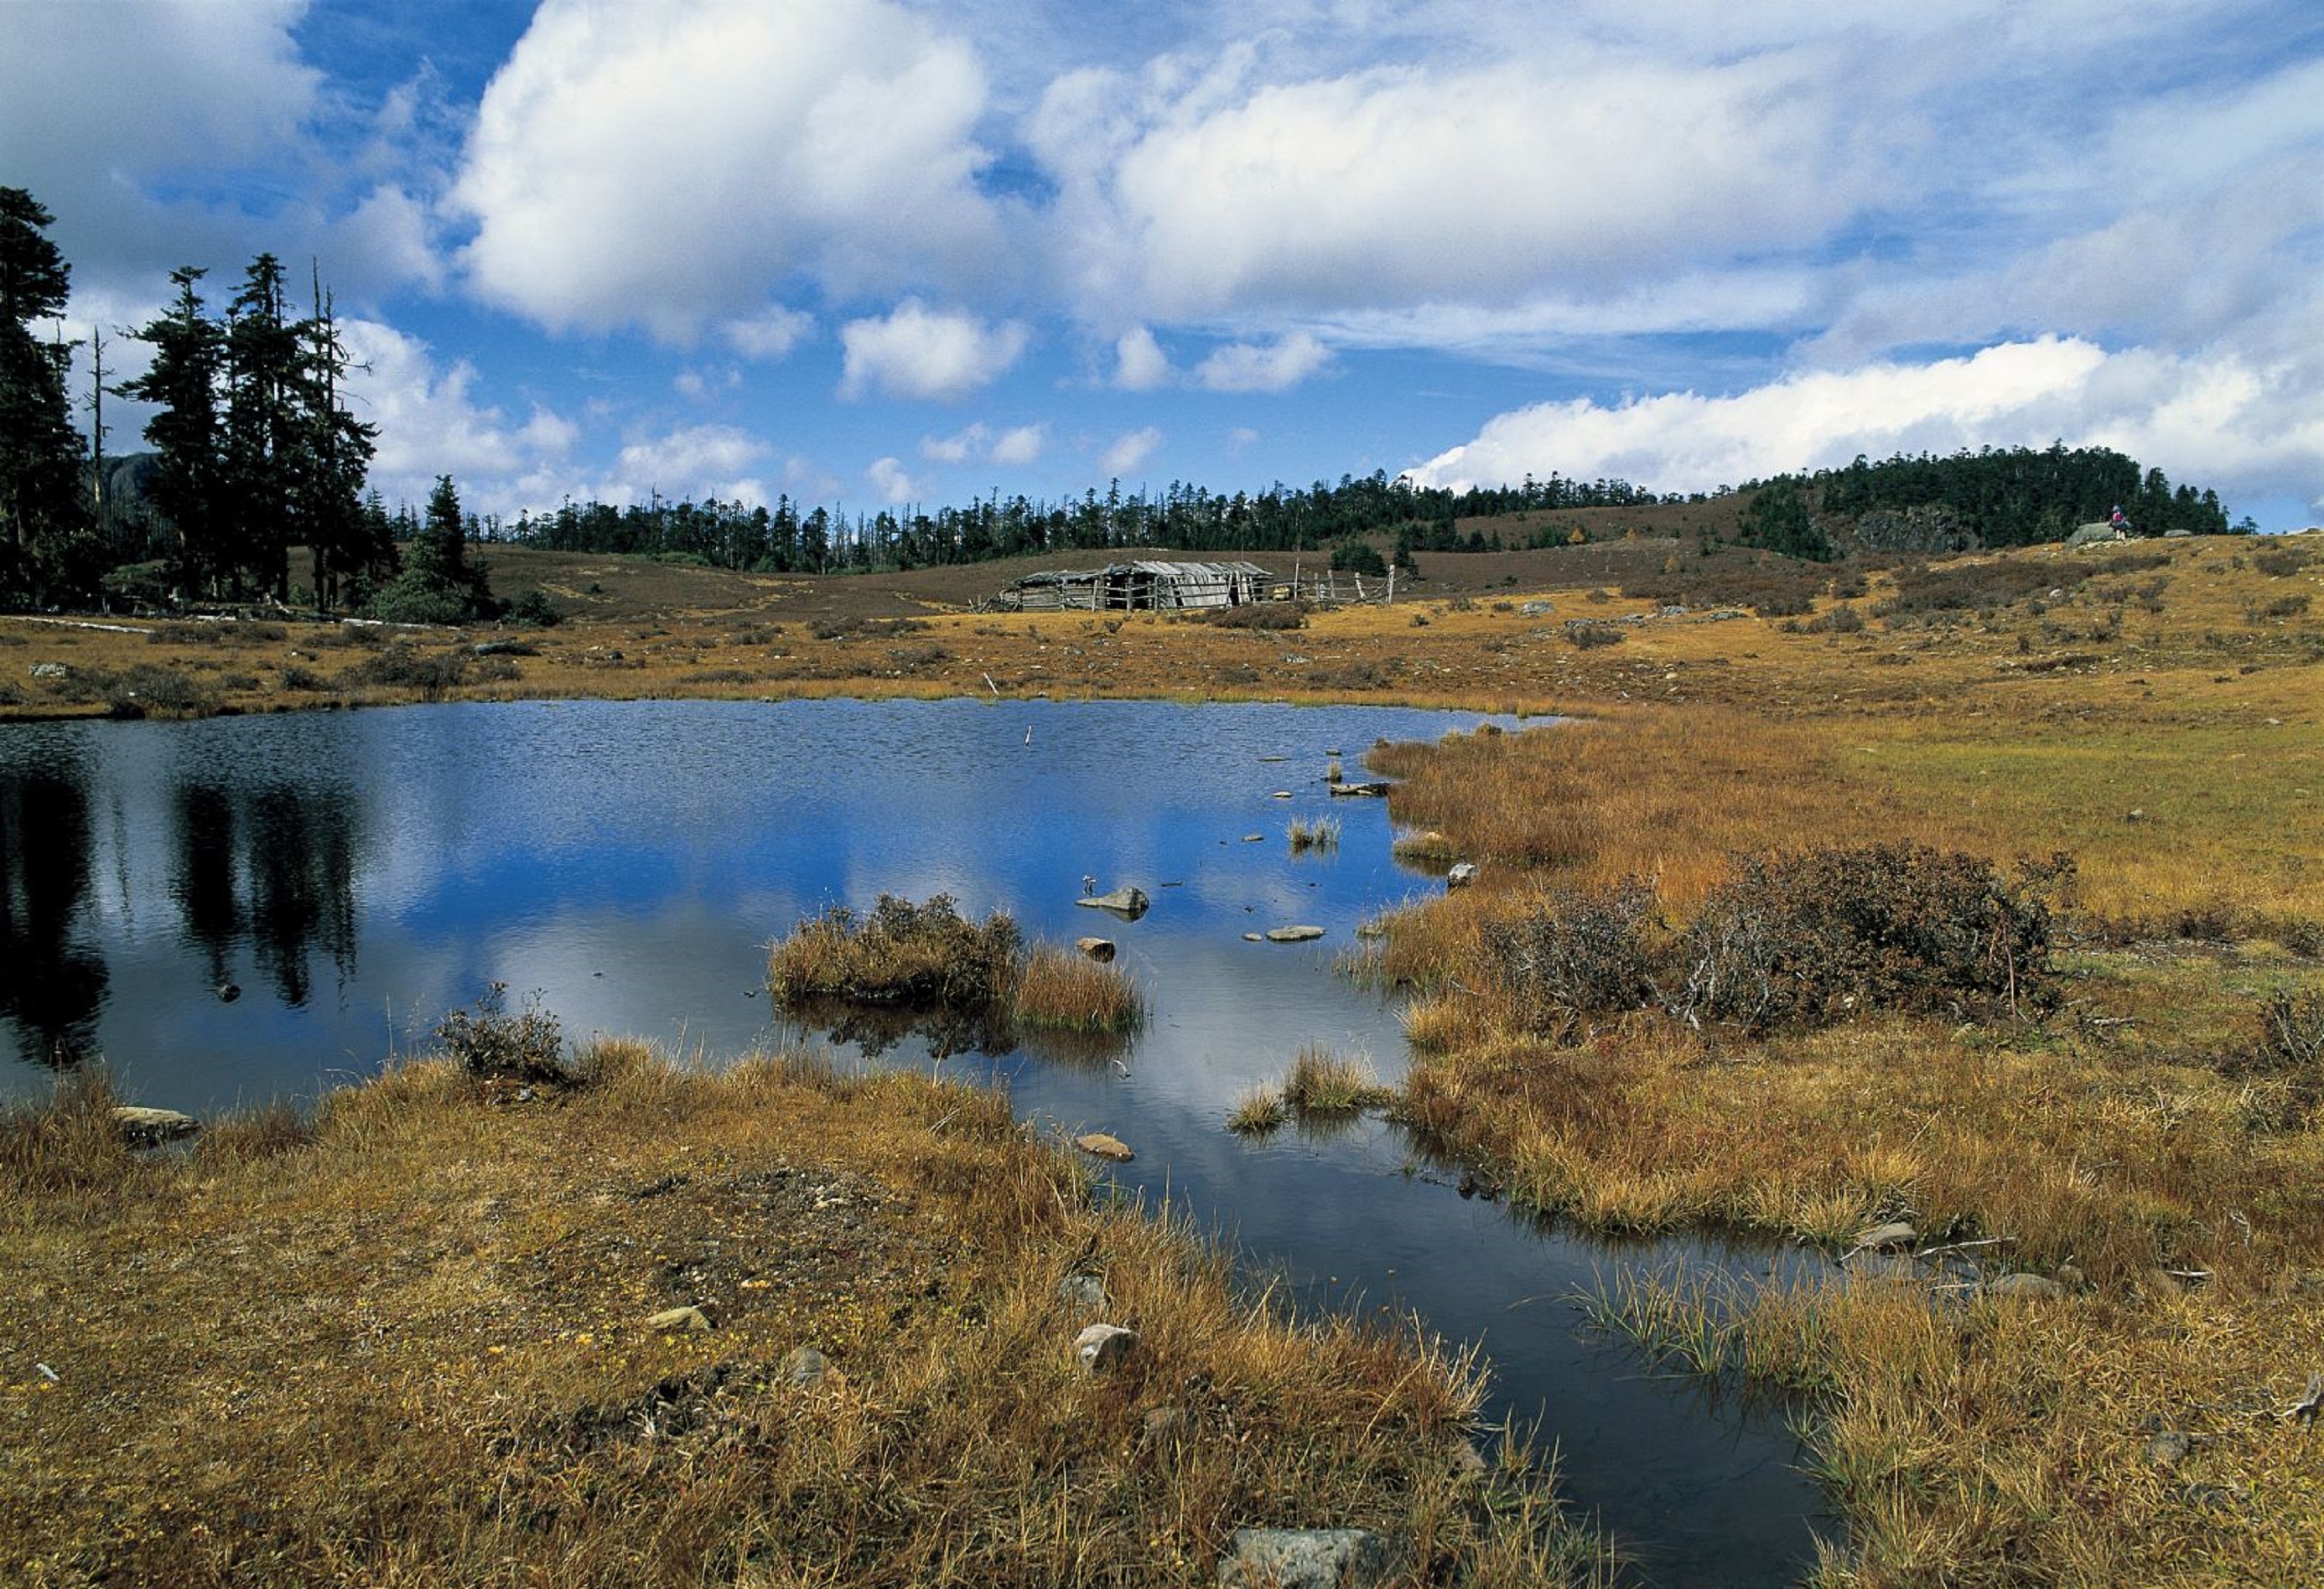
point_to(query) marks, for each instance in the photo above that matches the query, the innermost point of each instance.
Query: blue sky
(878, 251)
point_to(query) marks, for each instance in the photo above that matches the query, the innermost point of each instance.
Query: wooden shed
(1144, 585)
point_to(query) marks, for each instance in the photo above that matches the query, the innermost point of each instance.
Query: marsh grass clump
(1318, 833)
(65, 1143)
(145, 690)
(1258, 1113)
(900, 953)
(491, 1045)
(1322, 1083)
(1058, 988)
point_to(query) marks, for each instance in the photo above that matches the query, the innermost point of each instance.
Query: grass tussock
(1058, 988)
(1322, 1083)
(1319, 833)
(1258, 1113)
(415, 1349)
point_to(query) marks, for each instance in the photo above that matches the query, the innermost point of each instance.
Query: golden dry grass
(1059, 987)
(413, 1348)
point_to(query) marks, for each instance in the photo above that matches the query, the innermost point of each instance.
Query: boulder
(1130, 901)
(1100, 949)
(1293, 935)
(143, 1125)
(679, 1318)
(1461, 875)
(1102, 1347)
(1083, 1291)
(1362, 787)
(2037, 1288)
(805, 1368)
(1098, 1145)
(1305, 1558)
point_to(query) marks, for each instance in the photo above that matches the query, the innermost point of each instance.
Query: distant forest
(251, 451)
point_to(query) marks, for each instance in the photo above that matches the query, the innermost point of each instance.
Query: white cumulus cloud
(666, 162)
(1242, 366)
(770, 335)
(1128, 452)
(923, 352)
(430, 423)
(2212, 417)
(889, 479)
(1139, 364)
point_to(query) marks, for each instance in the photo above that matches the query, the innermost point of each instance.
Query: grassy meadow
(2131, 1118)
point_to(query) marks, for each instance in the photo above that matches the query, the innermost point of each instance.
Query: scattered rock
(1102, 1347)
(2069, 1276)
(2168, 1449)
(1891, 1237)
(807, 1368)
(1462, 874)
(228, 993)
(679, 1318)
(1254, 838)
(51, 670)
(1098, 1145)
(1293, 935)
(1254, 937)
(1366, 787)
(1305, 1558)
(144, 1126)
(1536, 609)
(1280, 794)
(2038, 1287)
(1100, 949)
(1131, 902)
(1083, 1291)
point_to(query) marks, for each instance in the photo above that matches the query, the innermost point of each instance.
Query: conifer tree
(41, 520)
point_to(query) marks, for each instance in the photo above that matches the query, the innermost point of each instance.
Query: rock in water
(1100, 949)
(1129, 901)
(1293, 935)
(1305, 1558)
(1098, 1145)
(1102, 1347)
(1892, 1237)
(144, 1125)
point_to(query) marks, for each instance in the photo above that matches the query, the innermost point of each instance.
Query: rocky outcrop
(1307, 1559)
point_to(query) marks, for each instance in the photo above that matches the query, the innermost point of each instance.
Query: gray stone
(51, 670)
(1082, 1290)
(2037, 1288)
(1102, 1347)
(1373, 787)
(679, 1318)
(1886, 1238)
(1293, 935)
(1254, 937)
(2168, 1449)
(1100, 949)
(1305, 1558)
(805, 1368)
(1098, 1145)
(140, 1124)
(1462, 874)
(1536, 609)
(1129, 901)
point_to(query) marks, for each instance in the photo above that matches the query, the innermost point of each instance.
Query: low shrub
(1795, 940)
(1591, 636)
(491, 1045)
(148, 691)
(901, 954)
(407, 667)
(1266, 614)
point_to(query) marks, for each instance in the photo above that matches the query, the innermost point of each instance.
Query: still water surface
(356, 875)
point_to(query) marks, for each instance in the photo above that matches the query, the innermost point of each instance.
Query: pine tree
(189, 477)
(41, 522)
(351, 546)
(264, 436)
